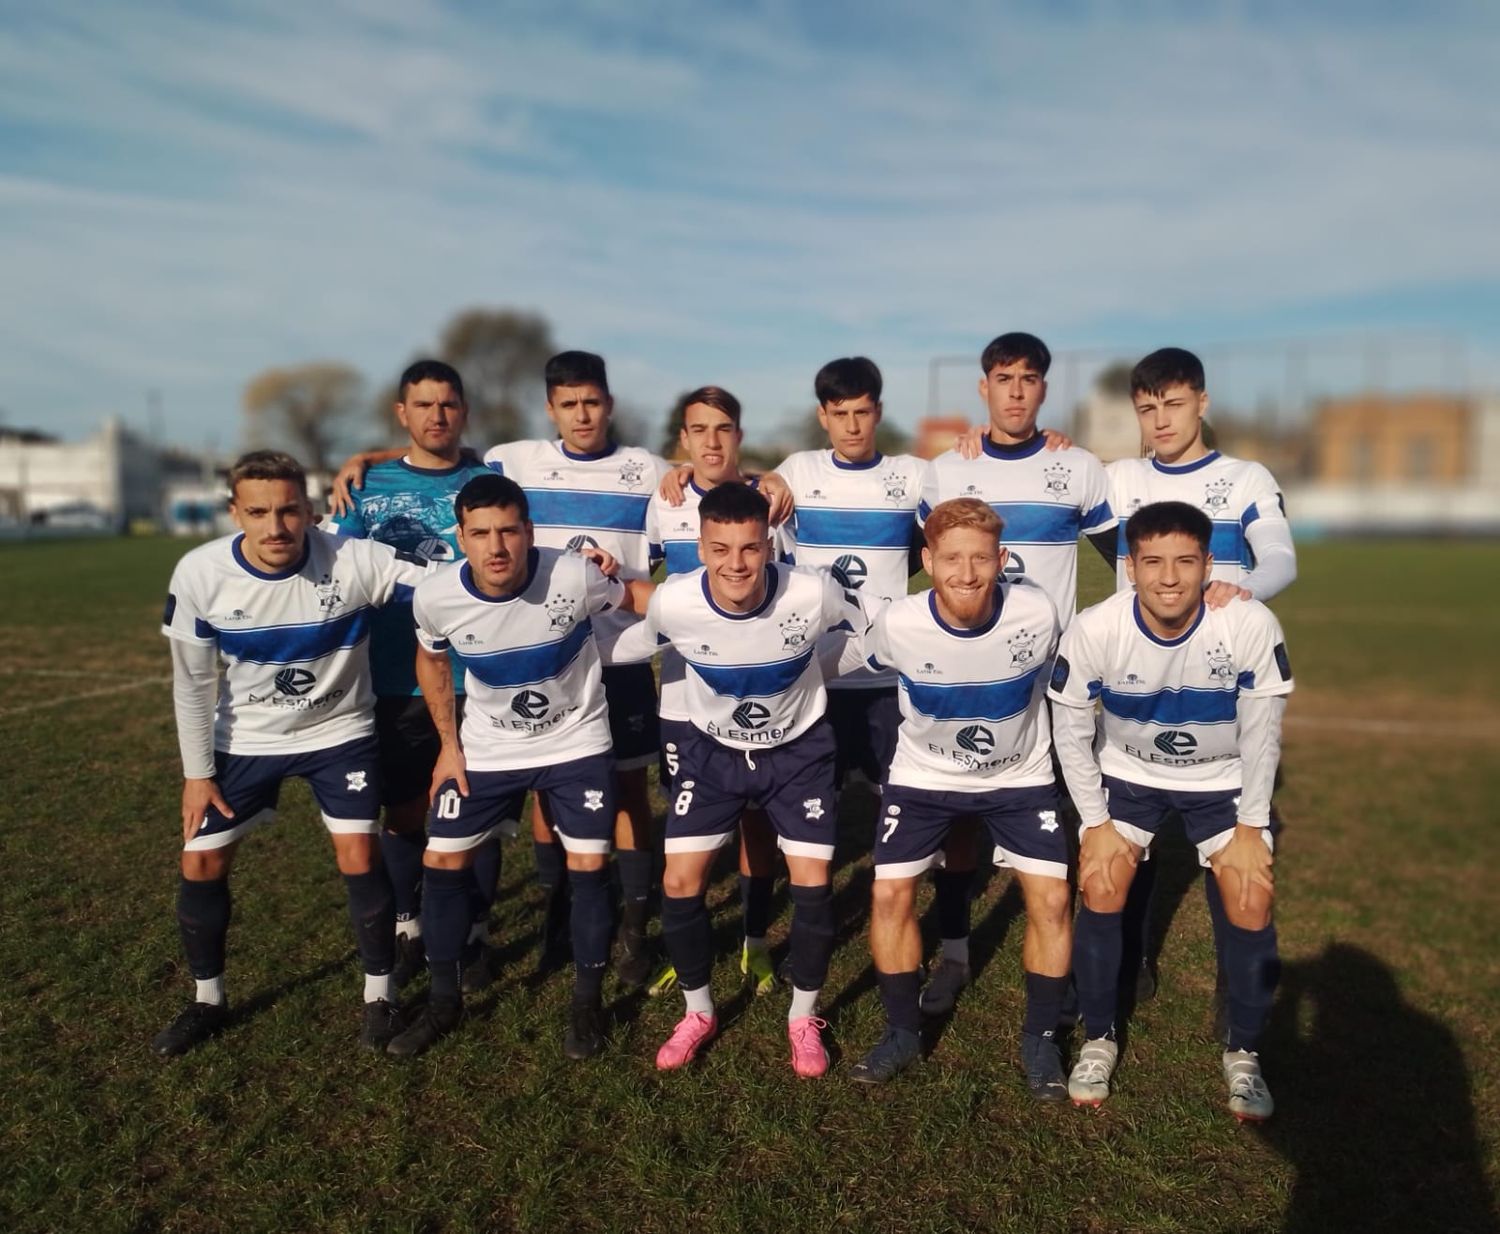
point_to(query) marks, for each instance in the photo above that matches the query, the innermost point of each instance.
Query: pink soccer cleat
(809, 1058)
(693, 1031)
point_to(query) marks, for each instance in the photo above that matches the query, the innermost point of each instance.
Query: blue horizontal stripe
(979, 700)
(524, 666)
(295, 644)
(1036, 522)
(1099, 515)
(682, 556)
(752, 680)
(854, 528)
(579, 508)
(1184, 706)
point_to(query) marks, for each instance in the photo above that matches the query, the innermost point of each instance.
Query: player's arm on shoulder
(639, 641)
(351, 476)
(392, 574)
(674, 482)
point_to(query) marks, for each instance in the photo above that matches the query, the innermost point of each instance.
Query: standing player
(407, 502)
(1192, 699)
(1253, 555)
(711, 439)
(287, 609)
(972, 657)
(1047, 499)
(521, 620)
(747, 628)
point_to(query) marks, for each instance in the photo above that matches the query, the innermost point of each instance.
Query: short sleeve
(601, 593)
(842, 610)
(1265, 670)
(1263, 498)
(504, 459)
(183, 618)
(391, 574)
(1094, 509)
(429, 632)
(1078, 670)
(878, 651)
(931, 494)
(653, 528)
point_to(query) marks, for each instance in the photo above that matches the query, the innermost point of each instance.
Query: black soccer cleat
(893, 1054)
(1146, 982)
(411, 960)
(439, 1018)
(633, 959)
(379, 1022)
(585, 1035)
(195, 1023)
(1041, 1059)
(480, 970)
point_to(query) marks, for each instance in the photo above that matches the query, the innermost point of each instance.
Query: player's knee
(1049, 902)
(680, 881)
(357, 854)
(205, 865)
(435, 859)
(586, 862)
(893, 899)
(1097, 900)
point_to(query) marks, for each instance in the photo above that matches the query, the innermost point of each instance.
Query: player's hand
(1219, 593)
(673, 487)
(1098, 851)
(970, 443)
(1250, 858)
(774, 489)
(197, 797)
(450, 765)
(351, 476)
(1056, 440)
(608, 566)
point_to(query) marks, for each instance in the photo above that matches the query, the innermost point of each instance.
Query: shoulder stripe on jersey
(980, 700)
(1182, 706)
(752, 680)
(681, 556)
(1037, 522)
(555, 507)
(524, 666)
(853, 528)
(295, 644)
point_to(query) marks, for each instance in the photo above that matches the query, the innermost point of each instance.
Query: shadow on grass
(1374, 1109)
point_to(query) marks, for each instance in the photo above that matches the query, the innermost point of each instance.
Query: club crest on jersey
(1216, 494)
(560, 609)
(813, 808)
(1220, 664)
(1058, 478)
(794, 632)
(631, 473)
(593, 799)
(354, 781)
(895, 489)
(1022, 648)
(329, 595)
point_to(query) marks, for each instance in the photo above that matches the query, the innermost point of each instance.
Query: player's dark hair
(1009, 348)
(734, 503)
(851, 377)
(1168, 518)
(429, 370)
(710, 396)
(266, 465)
(489, 492)
(1170, 366)
(575, 368)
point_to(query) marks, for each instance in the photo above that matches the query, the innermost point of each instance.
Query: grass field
(1381, 1053)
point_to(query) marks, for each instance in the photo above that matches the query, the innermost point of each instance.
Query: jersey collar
(408, 465)
(1140, 624)
(466, 577)
(1032, 445)
(843, 466)
(773, 580)
(1182, 469)
(270, 576)
(609, 449)
(960, 632)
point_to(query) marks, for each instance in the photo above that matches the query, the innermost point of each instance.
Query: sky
(734, 193)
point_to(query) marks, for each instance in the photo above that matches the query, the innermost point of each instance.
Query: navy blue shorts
(345, 779)
(673, 734)
(1023, 822)
(865, 723)
(630, 695)
(580, 804)
(792, 783)
(1208, 819)
(409, 747)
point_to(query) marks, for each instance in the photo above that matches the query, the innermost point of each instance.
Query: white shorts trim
(698, 844)
(201, 843)
(1008, 860)
(351, 826)
(463, 844)
(805, 848)
(1214, 843)
(908, 869)
(574, 845)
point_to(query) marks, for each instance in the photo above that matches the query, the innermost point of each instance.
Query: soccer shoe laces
(1245, 1079)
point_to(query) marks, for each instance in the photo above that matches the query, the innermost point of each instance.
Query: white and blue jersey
(1170, 707)
(1048, 498)
(1240, 497)
(531, 669)
(752, 679)
(972, 713)
(294, 642)
(411, 509)
(857, 520)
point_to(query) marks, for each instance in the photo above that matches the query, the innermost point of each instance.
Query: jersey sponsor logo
(794, 632)
(1216, 494)
(930, 669)
(295, 682)
(971, 490)
(850, 571)
(329, 595)
(631, 473)
(1047, 820)
(354, 781)
(1175, 742)
(752, 715)
(530, 704)
(578, 543)
(292, 688)
(812, 808)
(703, 649)
(1022, 646)
(817, 494)
(1058, 479)
(239, 614)
(552, 477)
(1014, 564)
(1131, 679)
(470, 640)
(560, 609)
(976, 739)
(593, 799)
(1220, 663)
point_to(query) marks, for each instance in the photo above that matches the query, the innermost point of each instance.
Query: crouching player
(287, 609)
(971, 657)
(746, 629)
(520, 620)
(1192, 700)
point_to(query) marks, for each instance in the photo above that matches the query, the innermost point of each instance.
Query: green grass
(1379, 1054)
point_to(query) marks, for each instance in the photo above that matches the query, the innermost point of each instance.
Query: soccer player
(971, 656)
(1253, 555)
(1192, 699)
(287, 609)
(521, 621)
(407, 502)
(1047, 500)
(747, 629)
(710, 437)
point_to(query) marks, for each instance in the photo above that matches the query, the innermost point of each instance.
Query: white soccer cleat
(1088, 1083)
(1249, 1098)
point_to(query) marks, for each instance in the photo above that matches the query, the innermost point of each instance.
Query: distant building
(1105, 424)
(938, 434)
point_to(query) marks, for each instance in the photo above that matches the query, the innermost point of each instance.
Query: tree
(308, 408)
(500, 354)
